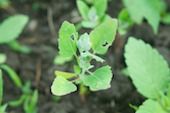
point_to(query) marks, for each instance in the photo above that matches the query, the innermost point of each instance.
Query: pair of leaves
(99, 5)
(98, 80)
(92, 15)
(147, 68)
(100, 39)
(3, 108)
(149, 9)
(11, 28)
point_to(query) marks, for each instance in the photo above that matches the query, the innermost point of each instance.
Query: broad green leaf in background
(2, 58)
(103, 35)
(61, 86)
(149, 9)
(100, 79)
(67, 40)
(65, 75)
(151, 106)
(30, 104)
(100, 6)
(83, 8)
(147, 68)
(11, 28)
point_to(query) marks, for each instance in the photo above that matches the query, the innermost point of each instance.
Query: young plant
(28, 99)
(84, 49)
(93, 12)
(154, 11)
(150, 74)
(10, 29)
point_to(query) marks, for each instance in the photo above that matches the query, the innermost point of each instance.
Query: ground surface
(38, 66)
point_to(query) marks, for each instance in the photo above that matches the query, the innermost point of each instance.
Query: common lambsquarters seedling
(150, 74)
(93, 12)
(84, 48)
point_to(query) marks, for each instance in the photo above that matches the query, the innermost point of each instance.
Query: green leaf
(12, 74)
(100, 6)
(18, 102)
(125, 22)
(89, 24)
(147, 68)
(1, 87)
(149, 9)
(103, 35)
(67, 40)
(61, 86)
(2, 58)
(83, 9)
(65, 75)
(3, 108)
(12, 27)
(150, 106)
(100, 79)
(84, 44)
(16, 46)
(30, 104)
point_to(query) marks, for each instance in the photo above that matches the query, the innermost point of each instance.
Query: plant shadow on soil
(38, 66)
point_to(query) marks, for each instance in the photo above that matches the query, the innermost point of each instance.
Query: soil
(38, 66)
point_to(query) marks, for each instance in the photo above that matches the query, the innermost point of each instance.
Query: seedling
(28, 99)
(150, 74)
(93, 12)
(10, 29)
(84, 49)
(154, 11)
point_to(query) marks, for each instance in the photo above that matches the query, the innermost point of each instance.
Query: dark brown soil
(38, 66)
